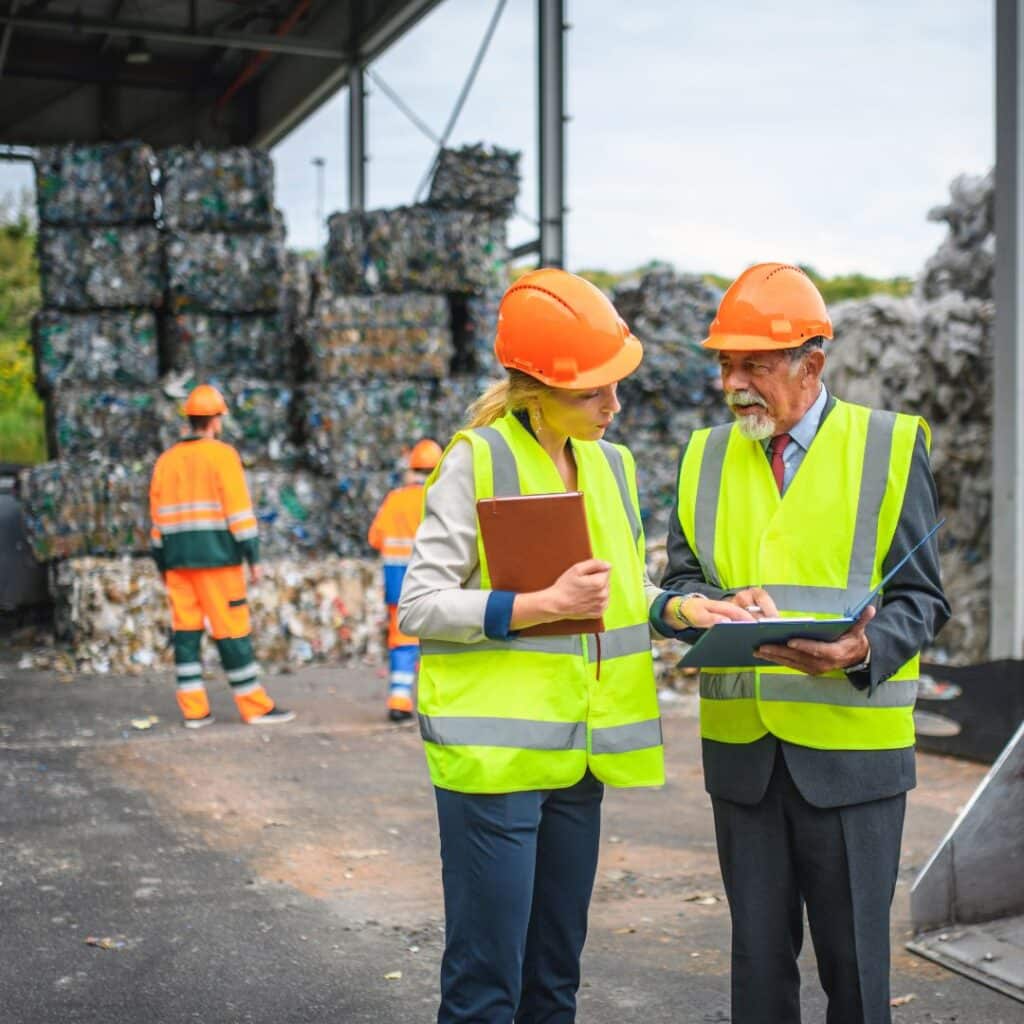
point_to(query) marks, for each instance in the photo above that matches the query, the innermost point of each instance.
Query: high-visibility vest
(200, 508)
(529, 713)
(395, 524)
(817, 550)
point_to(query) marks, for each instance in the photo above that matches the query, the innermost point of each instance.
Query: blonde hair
(508, 395)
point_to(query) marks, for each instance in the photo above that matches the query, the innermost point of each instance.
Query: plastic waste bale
(253, 345)
(354, 497)
(93, 268)
(291, 510)
(229, 189)
(363, 424)
(87, 506)
(380, 336)
(477, 176)
(96, 349)
(416, 248)
(216, 272)
(117, 423)
(260, 421)
(102, 183)
(113, 614)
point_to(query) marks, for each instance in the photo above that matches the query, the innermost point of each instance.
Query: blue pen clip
(855, 611)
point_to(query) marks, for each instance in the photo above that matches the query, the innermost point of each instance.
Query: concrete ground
(291, 874)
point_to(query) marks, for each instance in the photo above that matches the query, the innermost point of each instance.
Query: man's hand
(757, 601)
(816, 658)
(255, 573)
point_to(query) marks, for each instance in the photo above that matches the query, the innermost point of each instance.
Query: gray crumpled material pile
(674, 391)
(228, 189)
(252, 345)
(88, 506)
(930, 354)
(415, 248)
(126, 425)
(218, 272)
(478, 177)
(88, 268)
(113, 613)
(401, 336)
(111, 347)
(102, 183)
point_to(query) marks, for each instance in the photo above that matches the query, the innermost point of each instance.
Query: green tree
(22, 434)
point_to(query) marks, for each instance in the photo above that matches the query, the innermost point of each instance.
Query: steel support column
(551, 129)
(356, 137)
(1007, 588)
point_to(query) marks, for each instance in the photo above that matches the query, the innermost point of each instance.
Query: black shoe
(395, 715)
(198, 723)
(274, 716)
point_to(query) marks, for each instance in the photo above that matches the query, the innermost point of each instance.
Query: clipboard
(529, 541)
(732, 644)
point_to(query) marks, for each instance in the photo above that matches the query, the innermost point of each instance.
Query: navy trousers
(841, 862)
(518, 872)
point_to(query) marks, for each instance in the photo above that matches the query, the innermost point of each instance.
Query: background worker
(803, 504)
(391, 533)
(522, 732)
(203, 529)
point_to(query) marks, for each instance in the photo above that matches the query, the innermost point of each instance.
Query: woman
(521, 733)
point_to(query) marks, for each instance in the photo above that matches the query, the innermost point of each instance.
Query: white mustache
(744, 398)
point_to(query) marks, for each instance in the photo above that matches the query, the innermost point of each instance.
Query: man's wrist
(861, 665)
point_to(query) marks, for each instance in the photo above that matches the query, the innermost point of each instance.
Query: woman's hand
(582, 591)
(701, 612)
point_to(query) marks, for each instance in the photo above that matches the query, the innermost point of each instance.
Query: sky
(710, 134)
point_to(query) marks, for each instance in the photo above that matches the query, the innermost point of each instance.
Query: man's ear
(814, 364)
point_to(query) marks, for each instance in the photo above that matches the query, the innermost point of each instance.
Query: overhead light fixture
(137, 52)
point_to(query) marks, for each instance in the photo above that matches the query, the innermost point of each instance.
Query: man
(801, 506)
(391, 533)
(203, 529)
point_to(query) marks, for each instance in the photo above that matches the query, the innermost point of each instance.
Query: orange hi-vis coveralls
(203, 529)
(391, 533)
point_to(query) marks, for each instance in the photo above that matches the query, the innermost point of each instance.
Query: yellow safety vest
(817, 550)
(527, 713)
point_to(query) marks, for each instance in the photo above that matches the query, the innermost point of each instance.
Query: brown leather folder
(530, 540)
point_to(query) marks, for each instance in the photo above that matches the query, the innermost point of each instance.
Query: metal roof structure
(217, 72)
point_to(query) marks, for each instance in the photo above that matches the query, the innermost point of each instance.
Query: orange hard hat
(564, 331)
(205, 400)
(769, 306)
(425, 454)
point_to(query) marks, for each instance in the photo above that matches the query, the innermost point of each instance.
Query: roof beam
(296, 47)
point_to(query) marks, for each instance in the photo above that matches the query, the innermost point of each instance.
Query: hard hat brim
(750, 343)
(621, 365)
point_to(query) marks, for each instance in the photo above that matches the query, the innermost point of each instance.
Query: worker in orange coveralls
(391, 533)
(203, 529)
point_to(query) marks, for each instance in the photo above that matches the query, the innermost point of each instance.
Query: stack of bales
(102, 283)
(930, 354)
(389, 333)
(228, 302)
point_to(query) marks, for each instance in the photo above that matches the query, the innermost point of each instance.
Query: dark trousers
(518, 872)
(782, 853)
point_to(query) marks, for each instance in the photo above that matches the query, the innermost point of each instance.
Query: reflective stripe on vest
(826, 711)
(527, 712)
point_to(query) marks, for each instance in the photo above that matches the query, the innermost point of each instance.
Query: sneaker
(274, 716)
(398, 715)
(198, 723)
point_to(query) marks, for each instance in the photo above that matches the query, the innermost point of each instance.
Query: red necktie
(778, 446)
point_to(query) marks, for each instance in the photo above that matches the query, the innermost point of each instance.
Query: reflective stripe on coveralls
(510, 715)
(791, 545)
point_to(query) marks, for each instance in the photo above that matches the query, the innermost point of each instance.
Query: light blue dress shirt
(801, 437)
